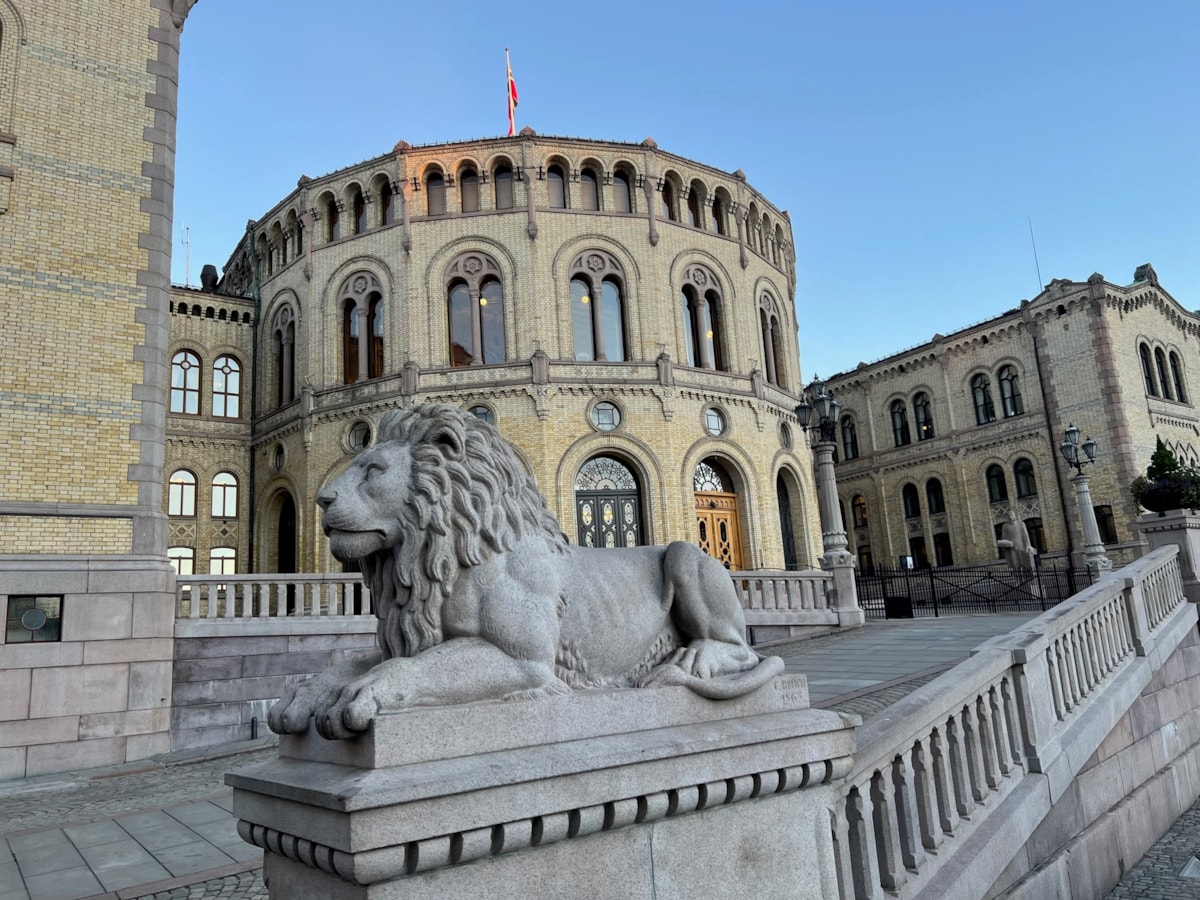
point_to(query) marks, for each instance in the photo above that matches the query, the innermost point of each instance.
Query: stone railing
(1030, 705)
(780, 604)
(232, 597)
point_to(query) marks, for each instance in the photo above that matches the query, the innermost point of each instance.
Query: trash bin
(897, 607)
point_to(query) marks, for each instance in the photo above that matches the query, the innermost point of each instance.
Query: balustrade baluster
(987, 741)
(1070, 696)
(211, 610)
(959, 765)
(926, 798)
(943, 783)
(1088, 645)
(1056, 686)
(840, 828)
(972, 746)
(1000, 731)
(1075, 660)
(887, 830)
(864, 863)
(1012, 722)
(912, 844)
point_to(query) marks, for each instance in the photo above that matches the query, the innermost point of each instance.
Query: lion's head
(439, 492)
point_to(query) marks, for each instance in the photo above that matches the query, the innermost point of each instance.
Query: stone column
(769, 351)
(705, 322)
(364, 341)
(286, 373)
(836, 557)
(1093, 548)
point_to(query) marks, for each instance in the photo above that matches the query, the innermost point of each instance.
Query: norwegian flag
(512, 97)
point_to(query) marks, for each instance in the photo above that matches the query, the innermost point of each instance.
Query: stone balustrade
(921, 804)
(233, 597)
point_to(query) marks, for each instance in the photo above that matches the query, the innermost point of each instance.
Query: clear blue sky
(911, 142)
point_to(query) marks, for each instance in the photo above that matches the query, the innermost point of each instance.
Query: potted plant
(1166, 484)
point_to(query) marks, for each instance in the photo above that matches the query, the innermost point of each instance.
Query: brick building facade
(623, 316)
(939, 443)
(87, 137)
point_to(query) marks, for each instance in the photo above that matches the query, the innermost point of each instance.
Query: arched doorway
(285, 554)
(608, 504)
(787, 535)
(718, 532)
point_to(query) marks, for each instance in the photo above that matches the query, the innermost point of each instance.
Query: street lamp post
(1093, 547)
(836, 558)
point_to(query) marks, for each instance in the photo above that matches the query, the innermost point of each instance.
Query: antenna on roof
(1035, 259)
(187, 255)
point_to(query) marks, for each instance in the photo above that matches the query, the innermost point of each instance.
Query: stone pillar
(364, 341)
(640, 793)
(769, 351)
(1093, 548)
(836, 557)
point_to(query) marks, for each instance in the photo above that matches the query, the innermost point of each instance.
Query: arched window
(701, 303)
(981, 393)
(720, 209)
(608, 504)
(621, 194)
(361, 298)
(556, 185)
(858, 509)
(224, 496)
(435, 194)
(284, 340)
(333, 218)
(934, 497)
(1024, 478)
(849, 439)
(502, 178)
(181, 493)
(997, 487)
(1010, 392)
(1160, 365)
(597, 307)
(923, 414)
(387, 205)
(900, 433)
(475, 310)
(185, 383)
(468, 189)
(667, 191)
(1177, 378)
(695, 198)
(222, 561)
(227, 387)
(360, 212)
(771, 334)
(1147, 370)
(912, 501)
(589, 190)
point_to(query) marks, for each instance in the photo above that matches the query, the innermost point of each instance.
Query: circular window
(606, 416)
(483, 414)
(785, 436)
(359, 436)
(714, 421)
(279, 458)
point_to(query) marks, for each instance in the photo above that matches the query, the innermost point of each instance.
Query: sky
(914, 144)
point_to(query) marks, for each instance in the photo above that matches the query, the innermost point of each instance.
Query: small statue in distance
(1015, 545)
(480, 596)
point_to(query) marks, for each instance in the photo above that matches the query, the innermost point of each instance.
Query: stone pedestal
(635, 793)
(1182, 528)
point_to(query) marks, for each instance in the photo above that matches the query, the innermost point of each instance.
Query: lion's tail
(727, 687)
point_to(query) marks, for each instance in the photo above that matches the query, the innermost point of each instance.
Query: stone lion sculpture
(480, 596)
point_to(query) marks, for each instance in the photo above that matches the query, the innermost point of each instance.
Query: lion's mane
(468, 499)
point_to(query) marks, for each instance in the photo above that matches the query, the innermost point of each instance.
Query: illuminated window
(181, 493)
(185, 383)
(224, 496)
(923, 414)
(900, 432)
(475, 310)
(700, 304)
(226, 387)
(858, 508)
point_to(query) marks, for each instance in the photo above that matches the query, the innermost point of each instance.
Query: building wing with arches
(939, 443)
(622, 315)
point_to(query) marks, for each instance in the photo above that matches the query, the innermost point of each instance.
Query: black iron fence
(905, 593)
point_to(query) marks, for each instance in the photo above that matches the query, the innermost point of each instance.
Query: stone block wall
(225, 675)
(1143, 776)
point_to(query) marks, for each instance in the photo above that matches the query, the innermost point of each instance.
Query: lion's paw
(382, 689)
(310, 699)
(705, 658)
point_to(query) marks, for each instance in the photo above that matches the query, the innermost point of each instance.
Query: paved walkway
(161, 828)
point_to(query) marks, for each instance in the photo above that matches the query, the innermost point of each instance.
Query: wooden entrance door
(718, 533)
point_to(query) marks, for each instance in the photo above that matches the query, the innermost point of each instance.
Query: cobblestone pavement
(246, 886)
(1157, 876)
